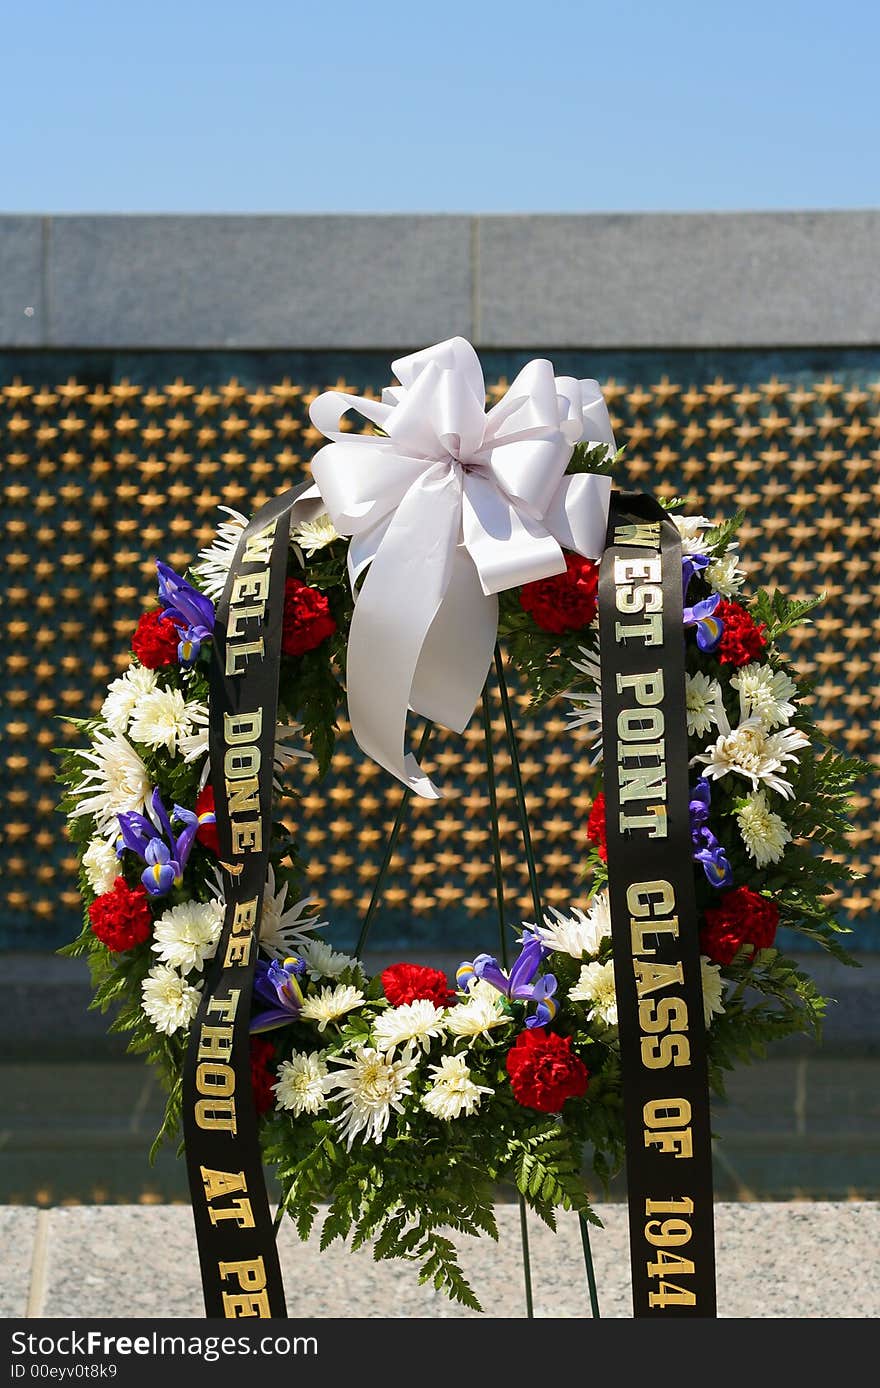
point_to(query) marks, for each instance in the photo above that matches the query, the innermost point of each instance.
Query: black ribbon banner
(241, 1275)
(653, 913)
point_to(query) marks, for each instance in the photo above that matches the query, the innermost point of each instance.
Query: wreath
(406, 1098)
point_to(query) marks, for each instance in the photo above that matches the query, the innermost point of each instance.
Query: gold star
(828, 389)
(665, 390)
(800, 398)
(773, 389)
(746, 399)
(692, 400)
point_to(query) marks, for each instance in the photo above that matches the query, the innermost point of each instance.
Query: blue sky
(359, 105)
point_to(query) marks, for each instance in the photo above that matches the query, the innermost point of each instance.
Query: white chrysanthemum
(300, 1084)
(324, 962)
(168, 1000)
(596, 986)
(419, 1022)
(764, 832)
(713, 989)
(162, 718)
(115, 782)
(369, 1086)
(751, 752)
(331, 1004)
(101, 865)
(314, 535)
(195, 745)
(286, 753)
(214, 563)
(723, 575)
(691, 529)
(587, 711)
(482, 1011)
(187, 934)
(284, 929)
(453, 1091)
(577, 933)
(123, 695)
(702, 703)
(765, 694)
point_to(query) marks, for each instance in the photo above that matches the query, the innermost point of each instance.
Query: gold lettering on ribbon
(654, 923)
(253, 1299)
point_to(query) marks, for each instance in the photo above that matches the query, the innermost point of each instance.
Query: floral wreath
(511, 1072)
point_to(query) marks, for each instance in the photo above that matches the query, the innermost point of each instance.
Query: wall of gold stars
(108, 461)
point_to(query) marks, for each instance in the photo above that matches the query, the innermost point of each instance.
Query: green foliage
(771, 999)
(721, 536)
(780, 613)
(595, 457)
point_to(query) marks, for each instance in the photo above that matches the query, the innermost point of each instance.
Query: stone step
(774, 1261)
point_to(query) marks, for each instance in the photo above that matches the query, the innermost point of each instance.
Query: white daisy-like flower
(101, 865)
(123, 695)
(324, 962)
(596, 986)
(300, 1084)
(482, 1011)
(587, 711)
(453, 1092)
(187, 934)
(419, 1022)
(162, 717)
(331, 1004)
(691, 529)
(764, 693)
(750, 751)
(115, 782)
(285, 929)
(370, 1086)
(702, 703)
(579, 932)
(764, 832)
(713, 989)
(168, 1000)
(723, 575)
(313, 535)
(214, 563)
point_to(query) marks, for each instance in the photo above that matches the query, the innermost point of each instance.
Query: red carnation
(155, 640)
(596, 826)
(121, 918)
(543, 1072)
(207, 832)
(262, 1078)
(743, 640)
(743, 917)
(307, 619)
(565, 602)
(407, 982)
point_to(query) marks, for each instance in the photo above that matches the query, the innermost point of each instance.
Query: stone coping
(779, 1261)
(726, 279)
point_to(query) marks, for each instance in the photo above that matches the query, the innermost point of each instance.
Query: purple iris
(707, 850)
(701, 615)
(277, 994)
(518, 984)
(190, 611)
(166, 853)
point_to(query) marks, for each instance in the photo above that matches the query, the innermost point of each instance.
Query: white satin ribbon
(451, 507)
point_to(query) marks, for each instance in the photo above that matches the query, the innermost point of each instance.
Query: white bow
(451, 507)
